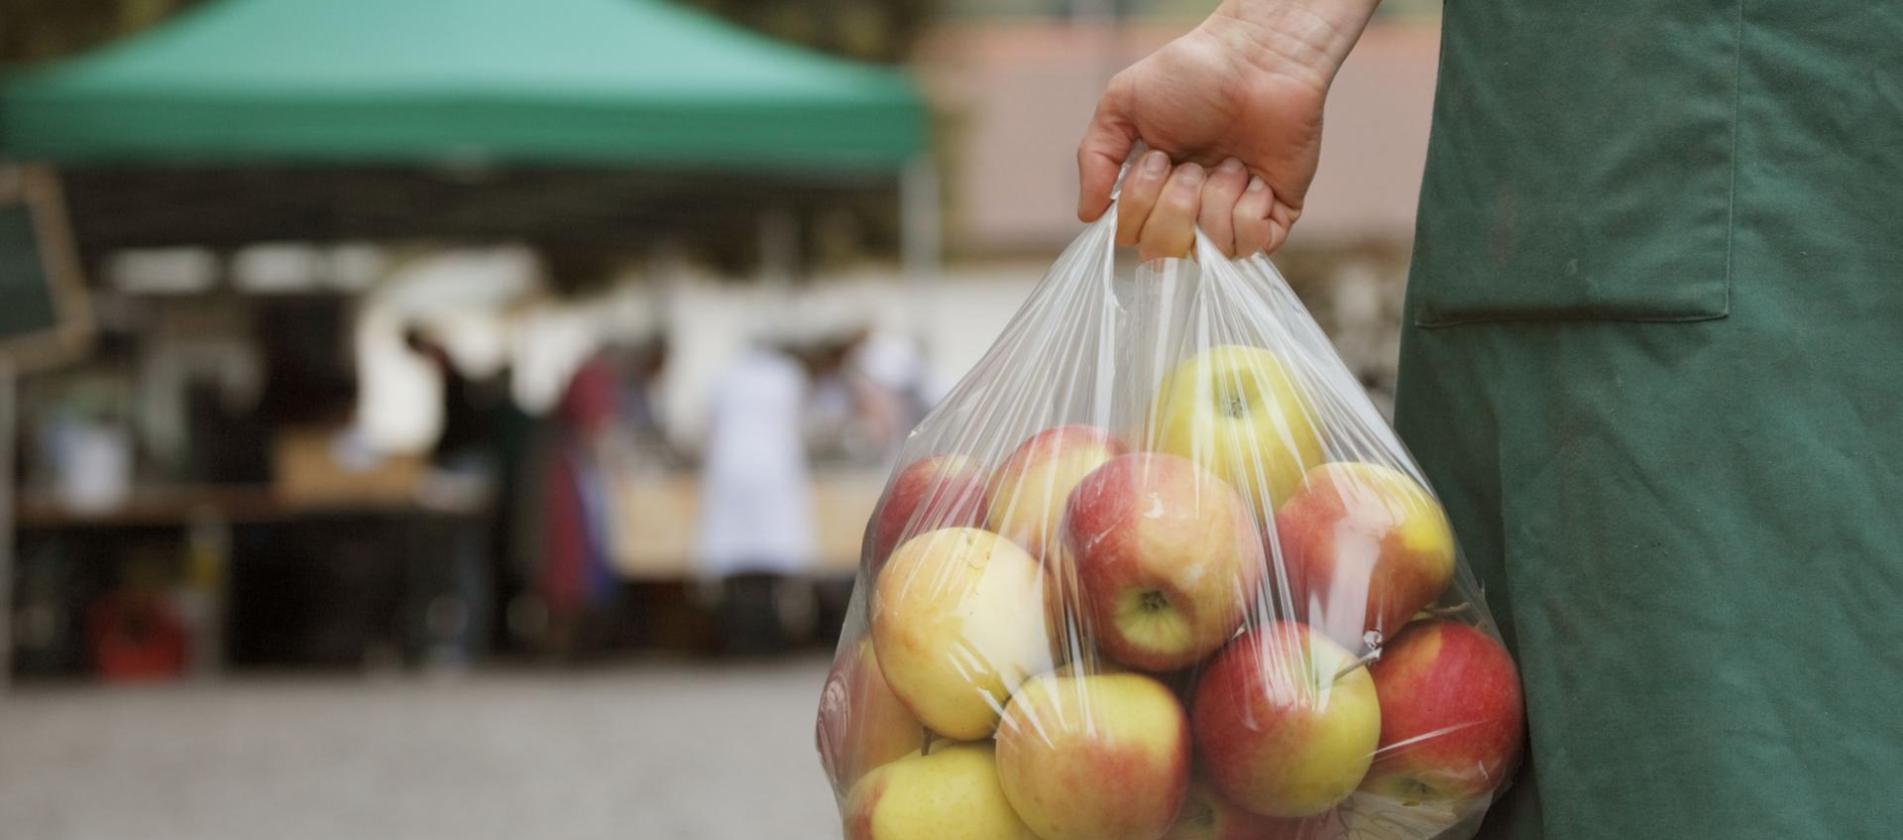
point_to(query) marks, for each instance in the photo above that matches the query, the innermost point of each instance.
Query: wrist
(1312, 37)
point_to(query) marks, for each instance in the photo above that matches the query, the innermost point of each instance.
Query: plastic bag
(1158, 568)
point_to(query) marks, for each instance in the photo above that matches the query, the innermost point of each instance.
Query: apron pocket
(1581, 165)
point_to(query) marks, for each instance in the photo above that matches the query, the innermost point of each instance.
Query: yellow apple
(1029, 488)
(958, 624)
(1240, 412)
(1102, 757)
(1285, 723)
(950, 793)
(862, 724)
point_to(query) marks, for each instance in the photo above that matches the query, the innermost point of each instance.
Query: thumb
(1107, 142)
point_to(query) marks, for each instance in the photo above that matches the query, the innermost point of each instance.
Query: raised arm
(1232, 113)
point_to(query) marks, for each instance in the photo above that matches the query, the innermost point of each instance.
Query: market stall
(247, 121)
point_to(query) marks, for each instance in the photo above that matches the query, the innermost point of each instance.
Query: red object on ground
(135, 638)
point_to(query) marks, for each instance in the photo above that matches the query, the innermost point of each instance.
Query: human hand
(1237, 105)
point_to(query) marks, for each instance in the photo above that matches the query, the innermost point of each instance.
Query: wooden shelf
(183, 504)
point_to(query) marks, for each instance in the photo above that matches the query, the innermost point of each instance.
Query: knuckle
(1183, 202)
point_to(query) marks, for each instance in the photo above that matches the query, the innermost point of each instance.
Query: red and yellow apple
(958, 624)
(1101, 757)
(862, 724)
(1029, 488)
(1240, 412)
(1365, 548)
(948, 793)
(943, 491)
(1208, 815)
(1286, 723)
(1166, 559)
(1451, 714)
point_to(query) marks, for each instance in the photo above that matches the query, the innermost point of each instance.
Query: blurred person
(646, 367)
(570, 509)
(756, 524)
(1650, 361)
(469, 407)
(868, 390)
(895, 381)
(848, 417)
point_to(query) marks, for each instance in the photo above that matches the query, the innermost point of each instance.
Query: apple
(1099, 757)
(948, 793)
(1030, 486)
(862, 724)
(1240, 412)
(1451, 714)
(1166, 559)
(958, 624)
(1285, 721)
(1365, 548)
(1208, 815)
(942, 491)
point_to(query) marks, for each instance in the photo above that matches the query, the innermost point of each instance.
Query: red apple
(1100, 757)
(1208, 815)
(1030, 486)
(862, 724)
(1165, 556)
(943, 491)
(1286, 723)
(1365, 547)
(1451, 714)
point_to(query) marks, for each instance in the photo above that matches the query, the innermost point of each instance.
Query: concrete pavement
(667, 751)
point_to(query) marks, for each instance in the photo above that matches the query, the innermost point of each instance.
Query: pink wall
(1015, 96)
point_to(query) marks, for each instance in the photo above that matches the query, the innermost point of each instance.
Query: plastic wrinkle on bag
(1158, 568)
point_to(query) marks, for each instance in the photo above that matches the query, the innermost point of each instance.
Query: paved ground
(660, 752)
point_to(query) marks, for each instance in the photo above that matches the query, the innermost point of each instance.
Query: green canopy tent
(298, 86)
(567, 81)
(247, 119)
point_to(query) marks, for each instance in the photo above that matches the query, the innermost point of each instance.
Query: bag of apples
(1157, 568)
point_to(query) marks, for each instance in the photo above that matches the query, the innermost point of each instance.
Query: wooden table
(662, 514)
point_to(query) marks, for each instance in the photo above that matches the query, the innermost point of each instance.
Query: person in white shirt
(756, 514)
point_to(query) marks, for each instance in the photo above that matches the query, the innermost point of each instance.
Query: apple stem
(1360, 662)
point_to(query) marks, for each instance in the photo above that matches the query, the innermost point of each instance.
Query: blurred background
(458, 418)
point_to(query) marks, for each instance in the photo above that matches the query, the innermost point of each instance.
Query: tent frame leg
(920, 226)
(8, 534)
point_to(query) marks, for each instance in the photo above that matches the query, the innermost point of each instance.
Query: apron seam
(1737, 118)
(1585, 317)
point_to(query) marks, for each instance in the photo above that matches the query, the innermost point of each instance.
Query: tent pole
(779, 248)
(920, 247)
(8, 534)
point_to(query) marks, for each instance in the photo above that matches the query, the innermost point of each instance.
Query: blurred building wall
(1016, 94)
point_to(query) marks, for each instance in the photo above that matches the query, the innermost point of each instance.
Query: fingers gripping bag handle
(1157, 567)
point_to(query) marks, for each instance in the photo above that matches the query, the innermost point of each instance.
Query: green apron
(1654, 365)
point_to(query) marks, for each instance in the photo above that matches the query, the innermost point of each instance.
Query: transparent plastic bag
(1158, 568)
